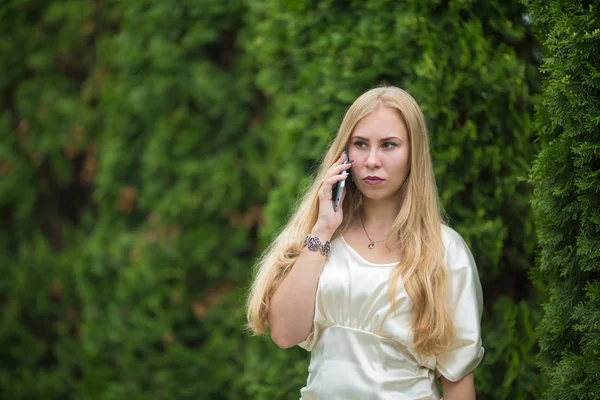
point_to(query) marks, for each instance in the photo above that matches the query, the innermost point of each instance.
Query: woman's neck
(379, 215)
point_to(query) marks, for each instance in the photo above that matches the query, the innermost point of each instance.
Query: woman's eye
(389, 145)
(360, 144)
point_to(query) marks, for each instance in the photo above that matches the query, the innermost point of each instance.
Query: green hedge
(471, 67)
(47, 126)
(130, 196)
(567, 197)
(149, 151)
(178, 195)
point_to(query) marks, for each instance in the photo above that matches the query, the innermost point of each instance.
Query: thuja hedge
(566, 178)
(130, 196)
(178, 162)
(149, 151)
(471, 66)
(47, 161)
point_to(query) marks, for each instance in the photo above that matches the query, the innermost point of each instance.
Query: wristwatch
(314, 244)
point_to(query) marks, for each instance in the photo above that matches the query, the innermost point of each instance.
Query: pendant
(371, 246)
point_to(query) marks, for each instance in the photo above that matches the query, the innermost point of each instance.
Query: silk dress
(359, 354)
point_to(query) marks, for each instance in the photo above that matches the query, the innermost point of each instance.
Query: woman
(385, 296)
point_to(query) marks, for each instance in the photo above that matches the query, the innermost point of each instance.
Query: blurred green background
(149, 150)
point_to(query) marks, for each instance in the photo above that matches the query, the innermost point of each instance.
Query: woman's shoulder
(458, 254)
(450, 236)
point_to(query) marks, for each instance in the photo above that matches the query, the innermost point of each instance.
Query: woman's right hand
(329, 219)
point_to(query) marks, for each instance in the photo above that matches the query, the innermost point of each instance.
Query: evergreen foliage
(47, 162)
(176, 203)
(150, 150)
(566, 177)
(128, 199)
(470, 65)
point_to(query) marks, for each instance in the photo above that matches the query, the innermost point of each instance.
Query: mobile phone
(338, 190)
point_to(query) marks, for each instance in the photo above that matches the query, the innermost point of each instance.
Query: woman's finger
(326, 190)
(337, 170)
(334, 179)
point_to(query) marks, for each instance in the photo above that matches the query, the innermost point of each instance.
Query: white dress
(352, 359)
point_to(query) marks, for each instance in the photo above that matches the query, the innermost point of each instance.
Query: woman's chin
(378, 195)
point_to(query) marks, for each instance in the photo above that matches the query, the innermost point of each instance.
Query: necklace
(372, 242)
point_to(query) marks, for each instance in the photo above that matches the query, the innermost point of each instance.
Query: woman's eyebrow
(381, 140)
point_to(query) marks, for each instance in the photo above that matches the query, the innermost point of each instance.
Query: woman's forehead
(381, 124)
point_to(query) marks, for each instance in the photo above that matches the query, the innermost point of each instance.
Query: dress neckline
(361, 258)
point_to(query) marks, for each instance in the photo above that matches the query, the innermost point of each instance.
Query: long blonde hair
(417, 229)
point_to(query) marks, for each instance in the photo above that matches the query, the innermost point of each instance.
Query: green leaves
(565, 178)
(147, 105)
(464, 63)
(148, 152)
(510, 351)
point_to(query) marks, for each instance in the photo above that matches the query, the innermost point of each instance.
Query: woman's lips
(372, 181)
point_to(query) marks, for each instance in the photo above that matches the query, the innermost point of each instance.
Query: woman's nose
(373, 159)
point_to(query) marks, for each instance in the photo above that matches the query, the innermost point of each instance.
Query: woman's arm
(293, 304)
(292, 308)
(461, 390)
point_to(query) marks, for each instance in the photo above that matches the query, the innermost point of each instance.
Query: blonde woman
(384, 295)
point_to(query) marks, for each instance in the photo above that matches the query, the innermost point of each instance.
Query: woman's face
(380, 148)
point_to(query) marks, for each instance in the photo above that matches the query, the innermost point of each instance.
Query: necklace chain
(372, 244)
